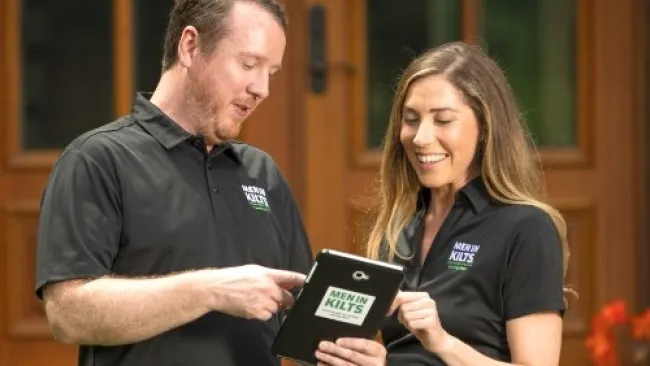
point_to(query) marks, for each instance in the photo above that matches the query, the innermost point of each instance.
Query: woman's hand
(419, 314)
(351, 352)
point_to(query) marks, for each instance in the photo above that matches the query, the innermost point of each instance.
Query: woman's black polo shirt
(489, 263)
(140, 197)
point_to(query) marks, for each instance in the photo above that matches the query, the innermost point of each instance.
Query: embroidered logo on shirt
(256, 196)
(462, 256)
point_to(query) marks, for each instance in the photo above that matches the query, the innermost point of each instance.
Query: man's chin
(223, 135)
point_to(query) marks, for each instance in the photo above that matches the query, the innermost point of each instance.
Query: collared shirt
(141, 197)
(489, 263)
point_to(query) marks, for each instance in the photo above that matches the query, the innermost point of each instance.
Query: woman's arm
(534, 340)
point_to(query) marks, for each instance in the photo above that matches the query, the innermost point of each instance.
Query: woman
(461, 208)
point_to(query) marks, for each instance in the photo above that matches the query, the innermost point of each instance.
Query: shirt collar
(163, 128)
(475, 193)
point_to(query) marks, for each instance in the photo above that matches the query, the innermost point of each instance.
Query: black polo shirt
(141, 197)
(489, 263)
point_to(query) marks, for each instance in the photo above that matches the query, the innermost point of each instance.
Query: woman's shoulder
(521, 214)
(526, 222)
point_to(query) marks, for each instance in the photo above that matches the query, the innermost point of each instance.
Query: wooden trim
(6, 32)
(583, 156)
(123, 35)
(297, 62)
(472, 21)
(642, 154)
(360, 156)
(11, 95)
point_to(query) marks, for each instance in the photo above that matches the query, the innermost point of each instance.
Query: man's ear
(188, 46)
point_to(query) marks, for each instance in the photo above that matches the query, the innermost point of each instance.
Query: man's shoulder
(259, 164)
(102, 137)
(253, 156)
(100, 145)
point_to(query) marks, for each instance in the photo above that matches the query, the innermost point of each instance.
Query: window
(67, 70)
(533, 41)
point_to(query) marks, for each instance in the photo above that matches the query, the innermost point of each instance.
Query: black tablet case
(302, 330)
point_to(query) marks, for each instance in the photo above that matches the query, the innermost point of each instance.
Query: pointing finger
(286, 279)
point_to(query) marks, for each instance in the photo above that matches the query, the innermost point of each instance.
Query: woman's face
(439, 133)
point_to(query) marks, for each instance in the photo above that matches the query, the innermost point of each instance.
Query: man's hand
(251, 291)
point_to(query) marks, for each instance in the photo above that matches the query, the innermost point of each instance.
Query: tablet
(344, 296)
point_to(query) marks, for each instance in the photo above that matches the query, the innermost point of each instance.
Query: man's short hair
(209, 17)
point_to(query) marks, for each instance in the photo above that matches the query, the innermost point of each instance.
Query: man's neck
(170, 99)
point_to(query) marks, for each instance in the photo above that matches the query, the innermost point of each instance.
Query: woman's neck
(441, 202)
(443, 198)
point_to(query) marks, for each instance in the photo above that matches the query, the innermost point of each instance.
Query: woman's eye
(410, 119)
(444, 121)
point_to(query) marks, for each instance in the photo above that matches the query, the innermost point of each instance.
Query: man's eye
(247, 66)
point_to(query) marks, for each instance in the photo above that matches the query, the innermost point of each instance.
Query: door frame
(642, 70)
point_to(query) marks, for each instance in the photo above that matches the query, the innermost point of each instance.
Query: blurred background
(580, 69)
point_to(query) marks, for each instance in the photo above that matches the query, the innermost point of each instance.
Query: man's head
(224, 53)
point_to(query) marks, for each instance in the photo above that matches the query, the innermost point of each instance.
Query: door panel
(569, 63)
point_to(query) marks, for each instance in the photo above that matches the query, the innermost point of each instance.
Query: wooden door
(571, 63)
(54, 84)
(66, 68)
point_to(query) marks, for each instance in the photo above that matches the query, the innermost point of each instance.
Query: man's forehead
(245, 13)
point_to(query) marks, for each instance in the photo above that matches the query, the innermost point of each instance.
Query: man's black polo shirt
(488, 264)
(141, 197)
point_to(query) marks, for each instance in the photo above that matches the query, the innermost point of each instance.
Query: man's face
(225, 86)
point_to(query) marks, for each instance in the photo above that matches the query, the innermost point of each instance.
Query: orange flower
(615, 312)
(600, 344)
(641, 326)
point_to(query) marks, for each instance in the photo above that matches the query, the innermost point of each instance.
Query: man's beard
(205, 112)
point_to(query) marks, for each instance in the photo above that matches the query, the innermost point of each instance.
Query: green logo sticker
(256, 197)
(462, 256)
(345, 306)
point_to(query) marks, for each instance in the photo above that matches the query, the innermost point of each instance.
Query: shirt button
(215, 189)
(209, 166)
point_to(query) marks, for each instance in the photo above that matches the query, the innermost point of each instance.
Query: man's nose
(259, 87)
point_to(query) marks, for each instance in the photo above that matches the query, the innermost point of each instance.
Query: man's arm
(112, 311)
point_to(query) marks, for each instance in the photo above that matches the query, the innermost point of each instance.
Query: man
(162, 241)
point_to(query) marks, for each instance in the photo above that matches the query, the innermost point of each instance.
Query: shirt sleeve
(79, 221)
(300, 251)
(534, 278)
